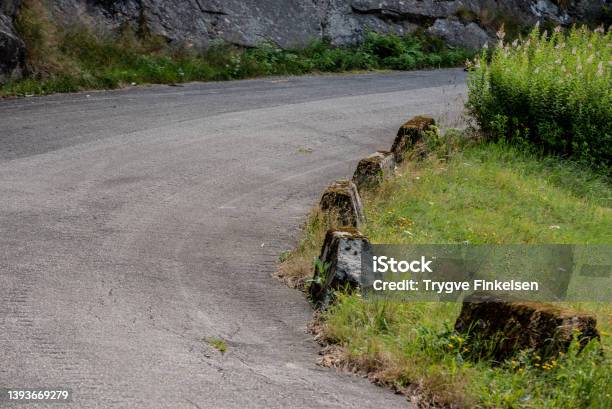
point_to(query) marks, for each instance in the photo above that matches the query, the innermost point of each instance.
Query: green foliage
(552, 90)
(68, 59)
(218, 343)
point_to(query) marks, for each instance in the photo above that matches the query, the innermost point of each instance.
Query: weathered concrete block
(516, 325)
(371, 171)
(409, 134)
(342, 204)
(339, 264)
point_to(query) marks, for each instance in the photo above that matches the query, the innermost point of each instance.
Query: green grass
(492, 193)
(69, 59)
(218, 343)
(475, 192)
(411, 347)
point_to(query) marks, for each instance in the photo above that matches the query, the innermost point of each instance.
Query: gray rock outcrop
(459, 34)
(293, 23)
(12, 49)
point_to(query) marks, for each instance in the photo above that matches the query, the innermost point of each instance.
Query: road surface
(137, 223)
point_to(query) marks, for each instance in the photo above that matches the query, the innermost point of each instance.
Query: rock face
(341, 204)
(456, 33)
(546, 329)
(12, 48)
(371, 171)
(339, 264)
(293, 23)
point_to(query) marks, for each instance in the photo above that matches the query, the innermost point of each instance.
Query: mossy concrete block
(339, 264)
(342, 204)
(517, 325)
(371, 171)
(409, 134)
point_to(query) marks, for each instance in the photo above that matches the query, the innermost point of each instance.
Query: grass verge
(65, 59)
(481, 193)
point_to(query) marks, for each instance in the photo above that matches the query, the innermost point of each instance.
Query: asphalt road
(137, 223)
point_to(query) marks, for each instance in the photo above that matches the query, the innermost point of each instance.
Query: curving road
(136, 223)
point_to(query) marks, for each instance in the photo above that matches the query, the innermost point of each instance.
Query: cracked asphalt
(135, 224)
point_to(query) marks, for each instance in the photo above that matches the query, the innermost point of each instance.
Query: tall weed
(553, 90)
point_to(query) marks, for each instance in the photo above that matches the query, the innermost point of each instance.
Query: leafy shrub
(383, 46)
(554, 91)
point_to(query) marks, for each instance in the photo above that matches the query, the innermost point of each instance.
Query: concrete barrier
(339, 265)
(341, 203)
(409, 134)
(514, 325)
(372, 170)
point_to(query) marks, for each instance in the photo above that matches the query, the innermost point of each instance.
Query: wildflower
(515, 43)
(590, 59)
(600, 69)
(501, 33)
(451, 346)
(558, 29)
(574, 51)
